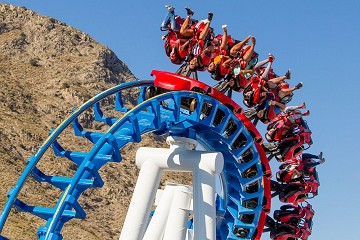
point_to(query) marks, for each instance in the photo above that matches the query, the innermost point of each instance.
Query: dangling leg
(286, 92)
(306, 156)
(260, 64)
(237, 47)
(292, 108)
(184, 27)
(277, 80)
(250, 52)
(169, 19)
(224, 39)
(270, 60)
(205, 31)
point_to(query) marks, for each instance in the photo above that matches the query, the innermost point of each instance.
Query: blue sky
(319, 40)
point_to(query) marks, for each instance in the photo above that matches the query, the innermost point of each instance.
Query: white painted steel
(141, 202)
(176, 225)
(180, 157)
(190, 234)
(156, 228)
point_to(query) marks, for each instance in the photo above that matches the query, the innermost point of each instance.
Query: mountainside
(46, 69)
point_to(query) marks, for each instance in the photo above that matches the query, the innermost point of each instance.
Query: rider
(169, 22)
(198, 31)
(190, 66)
(285, 124)
(219, 64)
(297, 171)
(176, 46)
(309, 162)
(239, 55)
(266, 111)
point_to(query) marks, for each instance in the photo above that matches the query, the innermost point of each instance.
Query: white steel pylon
(181, 156)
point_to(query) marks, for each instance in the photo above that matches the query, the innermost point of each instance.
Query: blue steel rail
(238, 212)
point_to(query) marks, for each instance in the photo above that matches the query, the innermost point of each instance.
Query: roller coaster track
(222, 127)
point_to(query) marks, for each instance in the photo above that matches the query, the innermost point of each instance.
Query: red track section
(176, 82)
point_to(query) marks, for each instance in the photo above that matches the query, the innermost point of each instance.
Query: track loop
(211, 123)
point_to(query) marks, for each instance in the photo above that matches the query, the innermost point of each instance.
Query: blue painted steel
(34, 159)
(164, 113)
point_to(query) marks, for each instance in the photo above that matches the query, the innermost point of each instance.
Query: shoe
(170, 8)
(299, 85)
(321, 159)
(288, 74)
(306, 113)
(210, 16)
(271, 58)
(224, 27)
(320, 155)
(189, 12)
(303, 105)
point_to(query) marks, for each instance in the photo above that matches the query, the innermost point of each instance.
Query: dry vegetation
(46, 69)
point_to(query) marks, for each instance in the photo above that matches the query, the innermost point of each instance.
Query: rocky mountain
(46, 69)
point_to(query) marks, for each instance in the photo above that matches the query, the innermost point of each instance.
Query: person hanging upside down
(198, 30)
(189, 67)
(169, 23)
(298, 172)
(176, 45)
(281, 88)
(245, 52)
(285, 124)
(290, 214)
(236, 55)
(266, 111)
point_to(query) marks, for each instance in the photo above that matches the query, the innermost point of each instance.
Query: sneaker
(210, 16)
(299, 85)
(224, 27)
(189, 12)
(321, 159)
(303, 105)
(288, 74)
(306, 113)
(170, 8)
(320, 155)
(271, 57)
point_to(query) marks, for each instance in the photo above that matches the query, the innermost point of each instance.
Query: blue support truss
(160, 114)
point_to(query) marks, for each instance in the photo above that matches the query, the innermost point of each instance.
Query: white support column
(141, 202)
(176, 226)
(204, 201)
(156, 228)
(180, 157)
